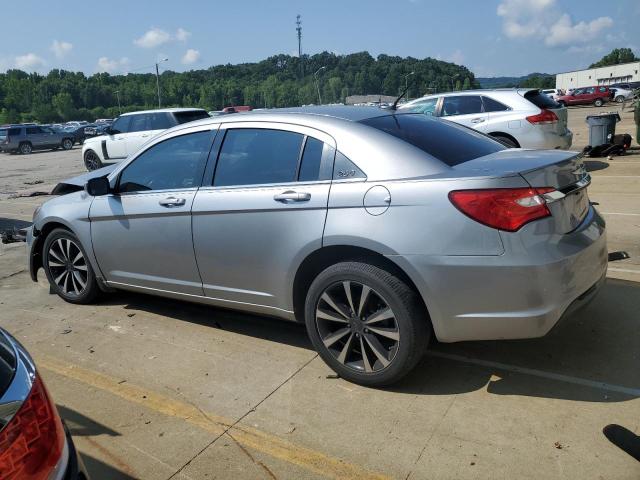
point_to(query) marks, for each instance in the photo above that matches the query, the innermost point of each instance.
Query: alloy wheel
(67, 266)
(357, 326)
(67, 144)
(91, 161)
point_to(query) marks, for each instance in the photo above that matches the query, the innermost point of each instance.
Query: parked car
(525, 118)
(626, 85)
(553, 92)
(25, 139)
(34, 443)
(598, 96)
(237, 109)
(374, 227)
(621, 94)
(78, 133)
(130, 130)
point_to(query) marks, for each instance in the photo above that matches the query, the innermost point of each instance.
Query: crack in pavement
(248, 412)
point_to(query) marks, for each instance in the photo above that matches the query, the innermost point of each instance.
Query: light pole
(406, 84)
(158, 79)
(118, 95)
(315, 75)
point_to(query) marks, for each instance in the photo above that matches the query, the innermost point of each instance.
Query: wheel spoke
(55, 264)
(327, 316)
(378, 316)
(66, 283)
(78, 277)
(68, 244)
(73, 284)
(365, 358)
(391, 333)
(61, 249)
(55, 255)
(80, 267)
(332, 304)
(335, 336)
(347, 291)
(364, 296)
(78, 257)
(345, 350)
(58, 279)
(378, 349)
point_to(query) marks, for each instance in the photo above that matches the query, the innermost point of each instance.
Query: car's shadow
(595, 165)
(596, 347)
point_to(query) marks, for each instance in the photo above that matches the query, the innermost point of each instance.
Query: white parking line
(623, 270)
(626, 214)
(539, 373)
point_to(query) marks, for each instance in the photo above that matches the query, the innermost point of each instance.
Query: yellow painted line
(258, 440)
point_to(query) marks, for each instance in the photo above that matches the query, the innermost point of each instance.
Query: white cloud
(191, 56)
(182, 35)
(543, 19)
(156, 37)
(61, 49)
(109, 65)
(456, 57)
(153, 38)
(29, 62)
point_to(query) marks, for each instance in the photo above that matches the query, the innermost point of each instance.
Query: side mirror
(108, 131)
(98, 186)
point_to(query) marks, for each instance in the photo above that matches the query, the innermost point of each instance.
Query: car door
(141, 233)
(114, 145)
(35, 135)
(466, 110)
(139, 132)
(589, 95)
(262, 213)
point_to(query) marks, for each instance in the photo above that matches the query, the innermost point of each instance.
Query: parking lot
(155, 389)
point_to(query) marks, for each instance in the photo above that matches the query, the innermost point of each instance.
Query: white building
(625, 72)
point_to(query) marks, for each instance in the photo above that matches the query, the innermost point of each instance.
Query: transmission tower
(299, 30)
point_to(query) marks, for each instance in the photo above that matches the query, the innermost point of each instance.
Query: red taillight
(545, 117)
(32, 443)
(502, 208)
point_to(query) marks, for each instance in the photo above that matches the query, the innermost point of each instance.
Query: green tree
(616, 57)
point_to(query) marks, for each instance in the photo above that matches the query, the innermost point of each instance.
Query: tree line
(278, 81)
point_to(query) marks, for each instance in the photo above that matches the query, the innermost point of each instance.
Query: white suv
(130, 130)
(519, 118)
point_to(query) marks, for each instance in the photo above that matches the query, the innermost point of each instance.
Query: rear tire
(25, 148)
(67, 268)
(67, 144)
(619, 99)
(353, 307)
(598, 102)
(506, 141)
(92, 161)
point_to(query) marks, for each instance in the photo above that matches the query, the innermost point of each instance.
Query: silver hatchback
(376, 228)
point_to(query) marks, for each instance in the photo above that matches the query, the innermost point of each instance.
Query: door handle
(292, 196)
(119, 138)
(477, 120)
(171, 202)
(144, 136)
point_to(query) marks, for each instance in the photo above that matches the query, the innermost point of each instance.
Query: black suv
(27, 138)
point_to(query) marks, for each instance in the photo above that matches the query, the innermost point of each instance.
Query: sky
(490, 37)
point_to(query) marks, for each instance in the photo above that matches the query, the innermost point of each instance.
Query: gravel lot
(157, 389)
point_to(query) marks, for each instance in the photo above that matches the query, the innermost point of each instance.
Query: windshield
(449, 142)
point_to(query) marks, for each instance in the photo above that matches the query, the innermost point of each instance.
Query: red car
(598, 96)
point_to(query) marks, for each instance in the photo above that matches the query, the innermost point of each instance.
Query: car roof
(164, 110)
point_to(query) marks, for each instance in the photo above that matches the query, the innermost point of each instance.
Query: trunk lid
(561, 170)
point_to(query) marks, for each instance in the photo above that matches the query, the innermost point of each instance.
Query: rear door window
(139, 123)
(491, 105)
(190, 116)
(311, 160)
(461, 105)
(159, 121)
(541, 100)
(449, 142)
(254, 156)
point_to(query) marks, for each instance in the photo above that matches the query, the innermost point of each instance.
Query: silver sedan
(378, 229)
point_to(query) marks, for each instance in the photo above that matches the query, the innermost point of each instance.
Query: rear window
(541, 100)
(449, 142)
(184, 117)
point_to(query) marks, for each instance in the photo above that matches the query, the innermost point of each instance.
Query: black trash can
(602, 128)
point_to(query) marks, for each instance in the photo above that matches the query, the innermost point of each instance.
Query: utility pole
(406, 85)
(158, 80)
(299, 30)
(118, 95)
(315, 75)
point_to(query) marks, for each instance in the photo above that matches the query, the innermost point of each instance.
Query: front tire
(68, 269)
(366, 323)
(92, 161)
